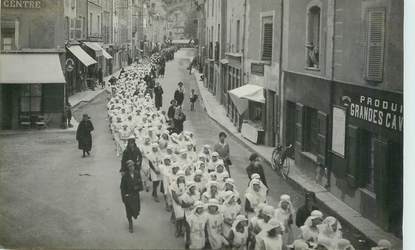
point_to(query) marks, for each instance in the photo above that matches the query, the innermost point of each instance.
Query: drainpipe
(243, 58)
(280, 110)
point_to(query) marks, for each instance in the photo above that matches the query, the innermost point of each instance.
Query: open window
(313, 38)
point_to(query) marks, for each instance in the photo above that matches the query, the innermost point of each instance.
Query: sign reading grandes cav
(22, 4)
(381, 112)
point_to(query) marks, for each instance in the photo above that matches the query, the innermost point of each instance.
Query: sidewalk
(338, 208)
(87, 96)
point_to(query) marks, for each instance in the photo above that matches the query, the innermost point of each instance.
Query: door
(7, 104)
(290, 124)
(395, 201)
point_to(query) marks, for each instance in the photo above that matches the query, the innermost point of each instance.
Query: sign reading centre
(22, 4)
(375, 110)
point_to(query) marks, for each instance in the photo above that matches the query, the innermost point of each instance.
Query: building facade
(31, 42)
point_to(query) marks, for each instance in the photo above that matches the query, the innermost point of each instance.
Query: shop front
(367, 152)
(249, 101)
(75, 75)
(32, 88)
(101, 56)
(307, 108)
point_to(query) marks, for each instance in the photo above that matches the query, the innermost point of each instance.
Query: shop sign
(22, 4)
(69, 64)
(375, 110)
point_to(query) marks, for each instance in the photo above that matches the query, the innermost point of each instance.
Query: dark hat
(310, 196)
(253, 157)
(180, 84)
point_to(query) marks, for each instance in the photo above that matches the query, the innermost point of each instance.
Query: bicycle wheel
(274, 159)
(284, 169)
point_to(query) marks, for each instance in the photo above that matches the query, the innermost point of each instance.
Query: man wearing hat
(179, 94)
(83, 135)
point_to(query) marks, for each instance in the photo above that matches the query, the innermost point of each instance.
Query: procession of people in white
(203, 200)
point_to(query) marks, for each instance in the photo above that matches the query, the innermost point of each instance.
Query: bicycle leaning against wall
(279, 160)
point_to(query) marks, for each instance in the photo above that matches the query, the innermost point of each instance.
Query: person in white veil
(255, 195)
(284, 214)
(330, 231)
(310, 229)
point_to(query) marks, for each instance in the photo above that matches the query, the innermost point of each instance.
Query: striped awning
(82, 56)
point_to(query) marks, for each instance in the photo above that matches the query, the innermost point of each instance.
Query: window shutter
(352, 155)
(381, 180)
(267, 42)
(299, 125)
(375, 45)
(322, 137)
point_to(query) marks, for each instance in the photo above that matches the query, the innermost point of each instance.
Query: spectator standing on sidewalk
(193, 99)
(222, 148)
(101, 78)
(68, 114)
(256, 167)
(179, 94)
(83, 135)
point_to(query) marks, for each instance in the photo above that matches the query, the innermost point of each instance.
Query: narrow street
(53, 198)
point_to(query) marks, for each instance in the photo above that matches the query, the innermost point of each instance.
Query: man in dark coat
(179, 94)
(305, 211)
(158, 96)
(179, 119)
(83, 135)
(255, 167)
(131, 153)
(131, 185)
(171, 110)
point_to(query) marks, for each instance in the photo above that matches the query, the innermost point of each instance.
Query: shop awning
(30, 69)
(79, 53)
(95, 47)
(106, 55)
(241, 95)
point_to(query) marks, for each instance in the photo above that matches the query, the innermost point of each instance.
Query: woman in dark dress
(179, 119)
(158, 96)
(83, 135)
(131, 153)
(131, 185)
(179, 94)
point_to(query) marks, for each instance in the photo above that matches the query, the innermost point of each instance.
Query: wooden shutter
(267, 41)
(381, 161)
(352, 155)
(375, 45)
(299, 111)
(322, 137)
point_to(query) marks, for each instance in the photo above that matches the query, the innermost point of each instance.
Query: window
(238, 24)
(375, 45)
(99, 26)
(83, 27)
(213, 7)
(267, 31)
(8, 30)
(90, 24)
(255, 111)
(31, 98)
(310, 131)
(313, 38)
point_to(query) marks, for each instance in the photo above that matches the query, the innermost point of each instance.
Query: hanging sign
(69, 64)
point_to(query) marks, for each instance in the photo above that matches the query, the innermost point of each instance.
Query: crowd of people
(196, 185)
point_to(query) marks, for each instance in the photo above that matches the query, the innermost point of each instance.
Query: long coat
(83, 135)
(158, 96)
(130, 193)
(133, 155)
(179, 97)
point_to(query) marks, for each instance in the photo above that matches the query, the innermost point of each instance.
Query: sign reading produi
(375, 110)
(22, 4)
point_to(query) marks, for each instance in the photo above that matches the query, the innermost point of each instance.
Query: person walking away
(305, 211)
(179, 119)
(193, 99)
(131, 186)
(131, 153)
(255, 167)
(83, 135)
(270, 237)
(68, 114)
(179, 94)
(222, 148)
(158, 96)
